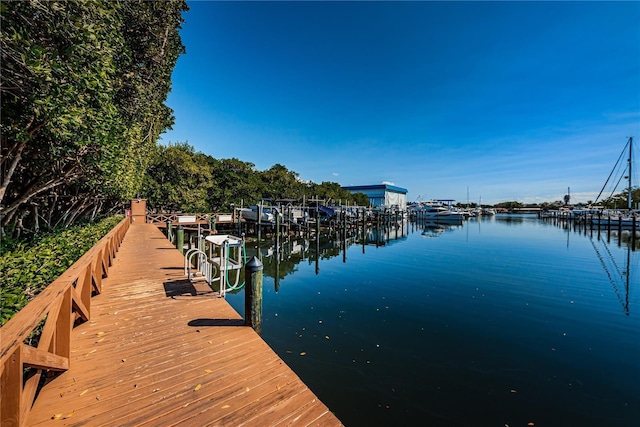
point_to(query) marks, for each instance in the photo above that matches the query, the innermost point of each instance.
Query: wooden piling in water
(253, 294)
(619, 225)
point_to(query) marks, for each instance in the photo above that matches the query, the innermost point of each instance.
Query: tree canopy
(83, 87)
(179, 179)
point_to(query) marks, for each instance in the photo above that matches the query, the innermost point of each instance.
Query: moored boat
(250, 213)
(434, 211)
(619, 218)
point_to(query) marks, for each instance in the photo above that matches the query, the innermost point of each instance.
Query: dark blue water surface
(508, 320)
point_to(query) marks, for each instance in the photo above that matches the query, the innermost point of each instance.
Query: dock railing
(56, 309)
(174, 218)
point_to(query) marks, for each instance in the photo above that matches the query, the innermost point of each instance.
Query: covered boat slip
(161, 350)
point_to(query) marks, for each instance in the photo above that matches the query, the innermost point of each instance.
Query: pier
(129, 341)
(286, 220)
(598, 221)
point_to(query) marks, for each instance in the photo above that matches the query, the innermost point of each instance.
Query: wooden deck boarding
(160, 351)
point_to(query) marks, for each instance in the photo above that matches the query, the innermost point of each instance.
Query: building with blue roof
(382, 195)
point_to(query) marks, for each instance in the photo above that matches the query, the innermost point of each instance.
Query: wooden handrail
(163, 218)
(200, 218)
(60, 304)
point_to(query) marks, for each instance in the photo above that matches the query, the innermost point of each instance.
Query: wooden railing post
(11, 386)
(63, 327)
(87, 288)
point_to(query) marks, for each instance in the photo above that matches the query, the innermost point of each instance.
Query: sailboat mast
(629, 202)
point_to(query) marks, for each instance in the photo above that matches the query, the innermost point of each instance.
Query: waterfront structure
(382, 195)
(135, 342)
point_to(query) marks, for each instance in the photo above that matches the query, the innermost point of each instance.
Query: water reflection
(613, 250)
(516, 324)
(514, 219)
(619, 275)
(328, 244)
(281, 258)
(432, 229)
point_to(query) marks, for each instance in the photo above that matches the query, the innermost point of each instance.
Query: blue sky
(499, 101)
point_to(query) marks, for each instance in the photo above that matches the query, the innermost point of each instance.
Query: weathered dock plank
(159, 350)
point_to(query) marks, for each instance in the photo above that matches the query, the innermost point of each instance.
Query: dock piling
(180, 239)
(253, 294)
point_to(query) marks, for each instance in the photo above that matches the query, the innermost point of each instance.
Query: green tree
(509, 205)
(235, 182)
(83, 85)
(620, 200)
(360, 199)
(178, 180)
(331, 192)
(151, 48)
(280, 183)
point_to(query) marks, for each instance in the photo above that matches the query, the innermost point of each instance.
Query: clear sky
(490, 101)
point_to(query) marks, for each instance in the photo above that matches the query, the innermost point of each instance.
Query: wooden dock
(161, 351)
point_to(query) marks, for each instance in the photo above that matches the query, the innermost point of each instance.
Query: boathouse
(382, 195)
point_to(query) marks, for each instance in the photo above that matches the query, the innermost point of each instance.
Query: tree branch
(16, 153)
(29, 194)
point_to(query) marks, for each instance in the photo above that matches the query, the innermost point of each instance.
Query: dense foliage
(27, 267)
(83, 87)
(179, 179)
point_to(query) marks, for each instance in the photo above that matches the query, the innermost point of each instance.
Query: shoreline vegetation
(26, 268)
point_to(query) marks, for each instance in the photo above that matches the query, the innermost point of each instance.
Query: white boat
(297, 215)
(440, 213)
(434, 211)
(618, 221)
(250, 213)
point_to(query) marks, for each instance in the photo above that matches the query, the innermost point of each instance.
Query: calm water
(503, 321)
